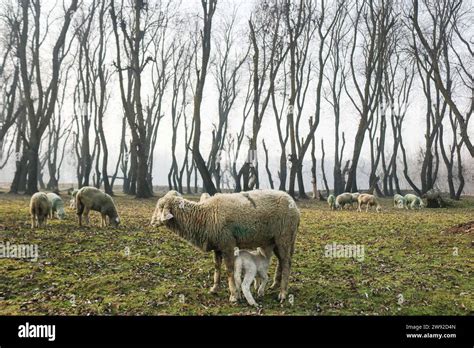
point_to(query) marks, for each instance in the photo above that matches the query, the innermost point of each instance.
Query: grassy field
(411, 265)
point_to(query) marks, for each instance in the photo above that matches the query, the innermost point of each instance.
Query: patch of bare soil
(466, 227)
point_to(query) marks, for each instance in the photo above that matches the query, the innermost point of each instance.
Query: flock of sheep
(242, 229)
(409, 201)
(264, 222)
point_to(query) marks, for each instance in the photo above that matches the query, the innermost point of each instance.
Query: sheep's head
(163, 211)
(114, 221)
(61, 214)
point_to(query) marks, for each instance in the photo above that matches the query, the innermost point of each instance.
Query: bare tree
(443, 17)
(39, 112)
(372, 25)
(226, 71)
(209, 8)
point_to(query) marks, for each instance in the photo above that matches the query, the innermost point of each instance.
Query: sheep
(343, 199)
(368, 200)
(255, 266)
(72, 202)
(399, 202)
(90, 198)
(259, 218)
(39, 210)
(332, 202)
(413, 201)
(57, 206)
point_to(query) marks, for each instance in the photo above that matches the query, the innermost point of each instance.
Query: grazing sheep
(39, 209)
(368, 200)
(57, 206)
(343, 199)
(399, 202)
(255, 266)
(259, 218)
(413, 201)
(72, 202)
(332, 202)
(90, 198)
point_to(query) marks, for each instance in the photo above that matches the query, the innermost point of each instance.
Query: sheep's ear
(168, 216)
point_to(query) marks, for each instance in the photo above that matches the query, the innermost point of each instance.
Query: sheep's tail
(236, 251)
(261, 252)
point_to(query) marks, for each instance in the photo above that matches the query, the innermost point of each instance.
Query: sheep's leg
(277, 278)
(283, 250)
(367, 208)
(103, 222)
(256, 283)
(229, 263)
(217, 271)
(33, 221)
(248, 278)
(261, 289)
(238, 276)
(86, 216)
(359, 208)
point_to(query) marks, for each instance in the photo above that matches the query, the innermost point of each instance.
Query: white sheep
(332, 202)
(413, 201)
(343, 199)
(72, 202)
(57, 206)
(254, 265)
(248, 220)
(39, 209)
(90, 198)
(399, 202)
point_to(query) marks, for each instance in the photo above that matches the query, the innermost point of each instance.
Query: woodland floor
(414, 264)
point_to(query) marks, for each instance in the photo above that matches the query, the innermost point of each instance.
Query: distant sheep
(343, 199)
(261, 218)
(368, 200)
(254, 264)
(355, 196)
(39, 209)
(72, 202)
(399, 202)
(413, 201)
(332, 202)
(57, 206)
(90, 198)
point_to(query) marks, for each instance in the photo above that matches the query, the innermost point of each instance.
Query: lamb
(255, 266)
(57, 206)
(72, 202)
(399, 202)
(413, 201)
(368, 200)
(332, 202)
(39, 209)
(260, 218)
(90, 198)
(343, 199)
